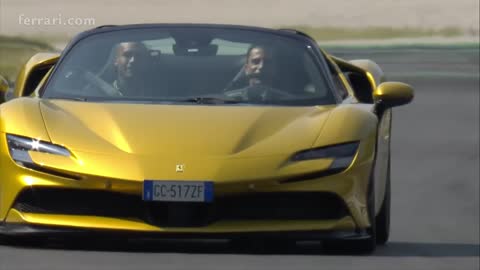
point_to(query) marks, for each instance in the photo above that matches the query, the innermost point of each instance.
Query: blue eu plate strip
(147, 190)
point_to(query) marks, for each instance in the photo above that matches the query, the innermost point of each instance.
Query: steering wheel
(279, 93)
(79, 75)
(260, 93)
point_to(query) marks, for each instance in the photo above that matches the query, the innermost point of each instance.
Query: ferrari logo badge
(180, 168)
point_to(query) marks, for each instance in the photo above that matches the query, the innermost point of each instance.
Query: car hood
(159, 130)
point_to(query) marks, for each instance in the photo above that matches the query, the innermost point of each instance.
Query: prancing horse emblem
(180, 168)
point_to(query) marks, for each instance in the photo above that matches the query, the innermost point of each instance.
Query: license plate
(178, 191)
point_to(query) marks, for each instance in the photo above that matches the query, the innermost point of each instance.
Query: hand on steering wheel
(86, 77)
(266, 93)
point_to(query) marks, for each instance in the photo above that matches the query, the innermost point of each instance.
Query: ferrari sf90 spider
(201, 131)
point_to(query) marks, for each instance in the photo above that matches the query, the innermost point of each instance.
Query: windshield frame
(312, 48)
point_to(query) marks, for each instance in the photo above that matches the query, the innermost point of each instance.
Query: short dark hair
(254, 46)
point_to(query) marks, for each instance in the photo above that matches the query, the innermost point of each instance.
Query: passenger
(259, 70)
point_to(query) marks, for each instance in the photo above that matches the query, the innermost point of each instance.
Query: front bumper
(258, 213)
(350, 187)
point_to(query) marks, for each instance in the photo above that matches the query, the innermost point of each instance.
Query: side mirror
(3, 88)
(391, 94)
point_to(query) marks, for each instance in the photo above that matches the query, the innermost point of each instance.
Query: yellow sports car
(201, 131)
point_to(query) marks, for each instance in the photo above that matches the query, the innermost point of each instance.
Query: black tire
(382, 220)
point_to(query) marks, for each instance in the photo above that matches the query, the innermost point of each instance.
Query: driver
(131, 66)
(258, 71)
(259, 66)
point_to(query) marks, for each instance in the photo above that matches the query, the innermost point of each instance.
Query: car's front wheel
(383, 218)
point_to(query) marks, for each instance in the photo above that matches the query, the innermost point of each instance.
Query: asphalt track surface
(435, 203)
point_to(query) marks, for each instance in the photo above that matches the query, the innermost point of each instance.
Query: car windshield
(211, 65)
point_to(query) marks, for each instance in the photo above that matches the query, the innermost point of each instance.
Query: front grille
(78, 202)
(298, 205)
(255, 206)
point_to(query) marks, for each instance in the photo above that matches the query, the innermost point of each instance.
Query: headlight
(20, 146)
(342, 154)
